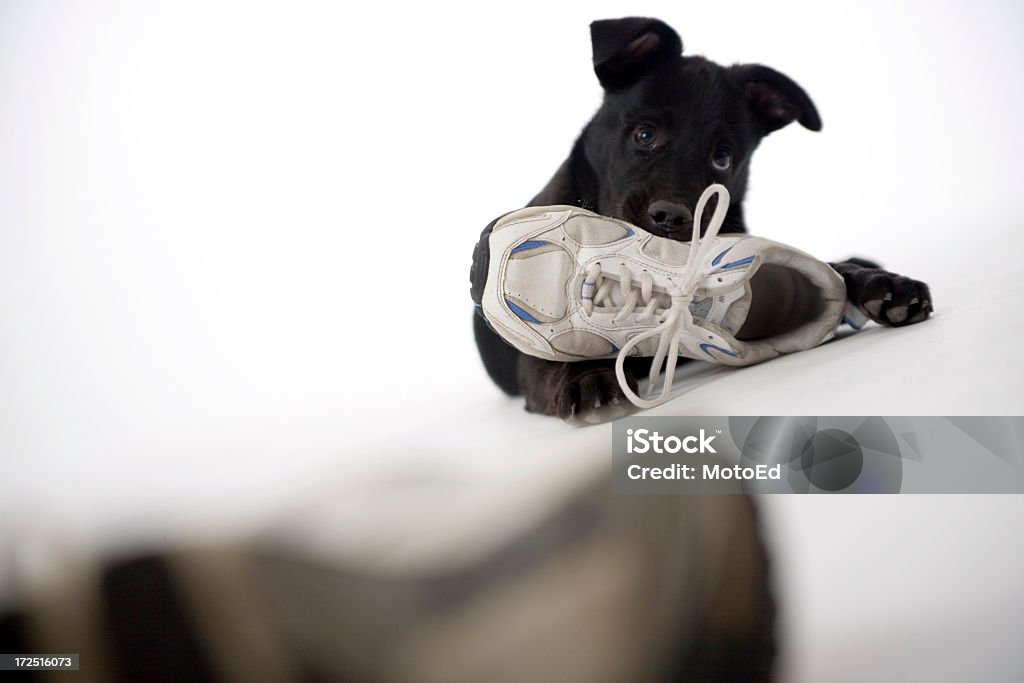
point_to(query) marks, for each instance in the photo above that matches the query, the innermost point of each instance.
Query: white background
(234, 245)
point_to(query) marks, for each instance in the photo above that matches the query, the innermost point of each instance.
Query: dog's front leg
(570, 389)
(886, 298)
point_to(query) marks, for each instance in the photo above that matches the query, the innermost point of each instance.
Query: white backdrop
(217, 220)
(234, 239)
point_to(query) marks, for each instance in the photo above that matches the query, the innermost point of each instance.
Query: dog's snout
(670, 216)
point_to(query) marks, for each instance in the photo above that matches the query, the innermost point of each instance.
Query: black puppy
(670, 126)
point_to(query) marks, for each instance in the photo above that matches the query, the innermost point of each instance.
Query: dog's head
(671, 125)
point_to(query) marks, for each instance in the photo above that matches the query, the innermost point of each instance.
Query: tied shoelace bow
(677, 319)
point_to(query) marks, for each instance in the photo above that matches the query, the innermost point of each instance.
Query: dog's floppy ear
(625, 48)
(775, 99)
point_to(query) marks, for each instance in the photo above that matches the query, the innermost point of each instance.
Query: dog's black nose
(670, 217)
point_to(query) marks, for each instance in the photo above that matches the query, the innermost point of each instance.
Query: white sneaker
(566, 284)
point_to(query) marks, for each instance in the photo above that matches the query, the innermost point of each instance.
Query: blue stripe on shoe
(737, 264)
(526, 246)
(718, 259)
(706, 348)
(851, 323)
(520, 312)
(629, 233)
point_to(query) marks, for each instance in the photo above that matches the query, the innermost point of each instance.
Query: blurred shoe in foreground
(586, 587)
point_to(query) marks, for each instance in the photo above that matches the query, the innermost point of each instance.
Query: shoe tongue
(663, 299)
(728, 310)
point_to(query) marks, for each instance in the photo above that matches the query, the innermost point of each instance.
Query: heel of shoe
(481, 261)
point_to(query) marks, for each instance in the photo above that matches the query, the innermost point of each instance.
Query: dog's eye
(645, 136)
(721, 159)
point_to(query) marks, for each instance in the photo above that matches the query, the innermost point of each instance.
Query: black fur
(646, 156)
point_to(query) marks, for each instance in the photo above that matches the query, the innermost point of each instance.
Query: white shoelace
(676, 320)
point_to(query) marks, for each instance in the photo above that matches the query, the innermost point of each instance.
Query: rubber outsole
(481, 261)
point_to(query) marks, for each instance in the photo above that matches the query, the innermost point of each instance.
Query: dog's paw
(584, 391)
(890, 299)
(586, 394)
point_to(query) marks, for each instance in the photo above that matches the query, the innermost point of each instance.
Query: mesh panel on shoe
(648, 347)
(582, 343)
(591, 230)
(667, 251)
